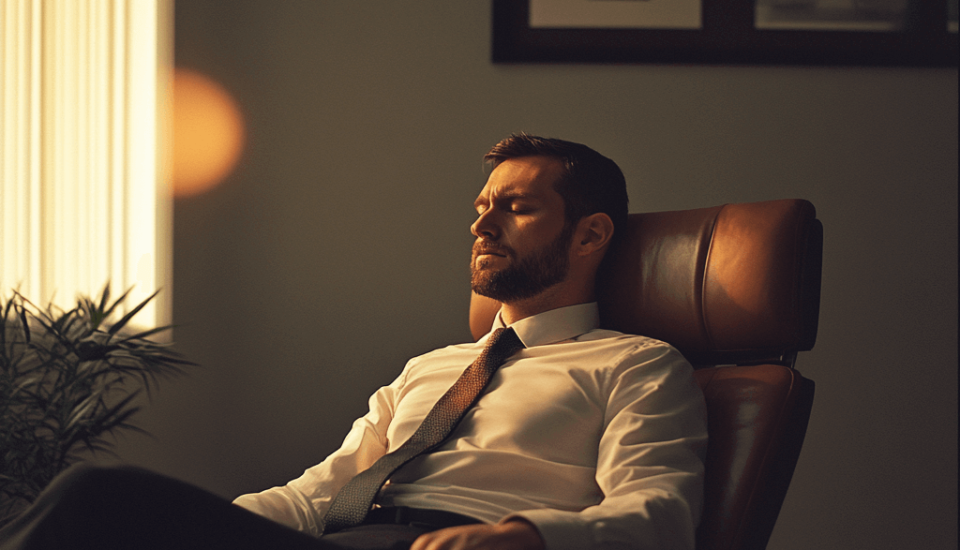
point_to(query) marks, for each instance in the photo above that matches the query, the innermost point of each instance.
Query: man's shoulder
(622, 339)
(625, 350)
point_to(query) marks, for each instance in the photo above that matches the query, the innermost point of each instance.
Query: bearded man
(574, 437)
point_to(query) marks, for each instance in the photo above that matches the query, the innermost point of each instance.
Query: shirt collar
(555, 325)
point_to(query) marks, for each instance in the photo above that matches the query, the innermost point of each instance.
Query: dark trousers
(132, 509)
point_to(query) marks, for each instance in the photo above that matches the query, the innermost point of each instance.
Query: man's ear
(593, 234)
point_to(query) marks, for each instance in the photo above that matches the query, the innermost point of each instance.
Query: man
(571, 434)
(584, 438)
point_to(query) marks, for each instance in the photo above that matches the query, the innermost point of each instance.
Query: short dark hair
(590, 182)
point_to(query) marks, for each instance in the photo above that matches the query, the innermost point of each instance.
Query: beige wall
(339, 247)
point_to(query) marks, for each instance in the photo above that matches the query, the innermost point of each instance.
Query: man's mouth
(482, 250)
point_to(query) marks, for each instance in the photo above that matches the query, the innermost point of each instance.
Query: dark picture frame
(728, 35)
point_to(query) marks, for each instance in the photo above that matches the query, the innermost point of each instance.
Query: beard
(527, 276)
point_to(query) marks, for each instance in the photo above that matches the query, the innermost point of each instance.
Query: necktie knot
(502, 344)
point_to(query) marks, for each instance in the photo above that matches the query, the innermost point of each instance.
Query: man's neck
(547, 300)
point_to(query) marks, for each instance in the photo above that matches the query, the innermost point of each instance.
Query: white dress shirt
(594, 436)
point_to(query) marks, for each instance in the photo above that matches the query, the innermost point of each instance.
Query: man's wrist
(528, 531)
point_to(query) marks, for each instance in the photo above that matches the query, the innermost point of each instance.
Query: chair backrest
(736, 285)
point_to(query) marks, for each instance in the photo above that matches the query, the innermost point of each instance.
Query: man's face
(523, 240)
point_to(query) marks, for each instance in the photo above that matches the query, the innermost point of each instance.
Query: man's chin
(484, 282)
(500, 292)
(479, 283)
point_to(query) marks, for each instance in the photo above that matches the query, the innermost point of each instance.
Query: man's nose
(485, 226)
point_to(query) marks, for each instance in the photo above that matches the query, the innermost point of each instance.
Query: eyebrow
(507, 196)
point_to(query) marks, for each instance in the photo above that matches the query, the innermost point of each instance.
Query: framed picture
(783, 32)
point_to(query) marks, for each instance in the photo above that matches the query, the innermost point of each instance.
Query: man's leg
(130, 508)
(374, 537)
(106, 508)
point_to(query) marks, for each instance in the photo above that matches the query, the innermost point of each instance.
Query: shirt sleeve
(302, 503)
(649, 464)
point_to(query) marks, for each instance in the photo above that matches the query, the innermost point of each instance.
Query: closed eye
(514, 203)
(521, 206)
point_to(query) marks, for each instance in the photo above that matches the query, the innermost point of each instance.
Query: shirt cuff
(557, 533)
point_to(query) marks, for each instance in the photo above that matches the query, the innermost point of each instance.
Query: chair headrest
(729, 284)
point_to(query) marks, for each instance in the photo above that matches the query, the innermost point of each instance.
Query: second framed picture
(818, 32)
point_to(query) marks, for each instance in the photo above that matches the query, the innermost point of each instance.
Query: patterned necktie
(353, 502)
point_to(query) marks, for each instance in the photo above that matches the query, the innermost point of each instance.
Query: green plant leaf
(116, 327)
(109, 311)
(24, 324)
(145, 334)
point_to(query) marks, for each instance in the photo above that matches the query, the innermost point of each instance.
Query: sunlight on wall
(84, 179)
(208, 133)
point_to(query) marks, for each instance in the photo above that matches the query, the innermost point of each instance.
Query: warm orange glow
(208, 133)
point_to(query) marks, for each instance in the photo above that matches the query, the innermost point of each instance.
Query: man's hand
(512, 535)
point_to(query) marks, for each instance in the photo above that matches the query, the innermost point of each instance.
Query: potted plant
(68, 381)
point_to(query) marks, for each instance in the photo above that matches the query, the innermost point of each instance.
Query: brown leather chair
(736, 288)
